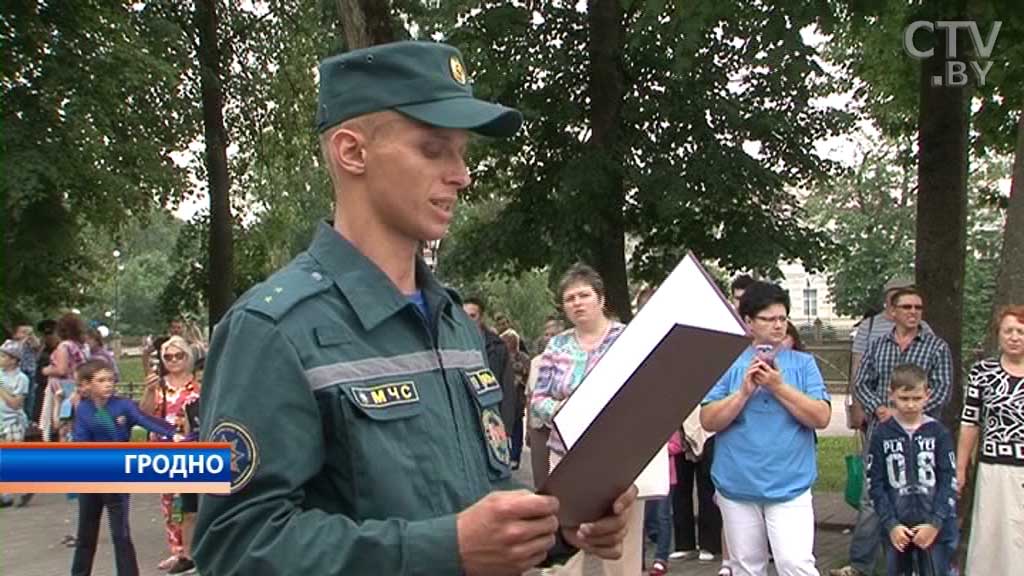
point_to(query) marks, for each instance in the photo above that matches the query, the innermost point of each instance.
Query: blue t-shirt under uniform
(766, 455)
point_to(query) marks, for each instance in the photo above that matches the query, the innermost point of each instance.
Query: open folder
(641, 390)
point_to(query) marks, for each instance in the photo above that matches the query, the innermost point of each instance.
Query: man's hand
(924, 535)
(900, 536)
(506, 532)
(604, 537)
(883, 413)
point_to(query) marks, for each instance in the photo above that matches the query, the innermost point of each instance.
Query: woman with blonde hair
(167, 392)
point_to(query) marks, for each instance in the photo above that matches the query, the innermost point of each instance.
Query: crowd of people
(376, 418)
(63, 388)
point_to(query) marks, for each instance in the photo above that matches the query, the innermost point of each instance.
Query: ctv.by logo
(955, 73)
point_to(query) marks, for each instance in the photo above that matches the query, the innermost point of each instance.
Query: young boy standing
(13, 390)
(912, 480)
(104, 417)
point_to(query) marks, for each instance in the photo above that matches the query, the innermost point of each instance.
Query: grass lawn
(832, 451)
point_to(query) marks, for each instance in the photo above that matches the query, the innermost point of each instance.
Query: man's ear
(347, 150)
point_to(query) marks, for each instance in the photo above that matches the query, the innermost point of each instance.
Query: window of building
(810, 302)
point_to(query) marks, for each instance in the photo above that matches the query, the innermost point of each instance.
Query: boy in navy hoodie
(103, 416)
(912, 480)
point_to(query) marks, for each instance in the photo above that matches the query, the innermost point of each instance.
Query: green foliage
(91, 115)
(525, 299)
(868, 44)
(870, 212)
(146, 252)
(689, 183)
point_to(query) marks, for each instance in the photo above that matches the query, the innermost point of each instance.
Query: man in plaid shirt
(906, 343)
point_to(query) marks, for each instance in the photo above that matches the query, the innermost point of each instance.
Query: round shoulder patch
(244, 454)
(497, 437)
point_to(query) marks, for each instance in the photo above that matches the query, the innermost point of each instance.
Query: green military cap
(426, 81)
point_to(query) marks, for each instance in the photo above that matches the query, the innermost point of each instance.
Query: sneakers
(683, 555)
(167, 563)
(182, 566)
(725, 571)
(705, 556)
(658, 568)
(846, 571)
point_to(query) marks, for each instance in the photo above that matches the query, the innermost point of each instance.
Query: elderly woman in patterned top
(994, 411)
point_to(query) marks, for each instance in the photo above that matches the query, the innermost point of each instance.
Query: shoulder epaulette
(284, 290)
(454, 295)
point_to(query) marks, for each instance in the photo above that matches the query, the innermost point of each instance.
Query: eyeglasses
(174, 356)
(910, 306)
(772, 319)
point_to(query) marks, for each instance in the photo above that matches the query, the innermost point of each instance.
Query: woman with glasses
(167, 392)
(765, 409)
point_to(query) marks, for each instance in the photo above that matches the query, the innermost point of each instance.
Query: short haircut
(580, 273)
(1015, 310)
(761, 295)
(478, 302)
(90, 368)
(901, 292)
(741, 282)
(908, 377)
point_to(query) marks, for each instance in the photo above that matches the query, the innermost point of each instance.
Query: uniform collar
(371, 294)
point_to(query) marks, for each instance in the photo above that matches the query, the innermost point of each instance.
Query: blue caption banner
(113, 463)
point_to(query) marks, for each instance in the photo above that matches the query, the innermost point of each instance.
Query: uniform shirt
(911, 475)
(114, 421)
(926, 350)
(359, 429)
(766, 455)
(994, 400)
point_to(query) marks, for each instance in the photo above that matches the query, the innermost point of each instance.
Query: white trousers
(788, 526)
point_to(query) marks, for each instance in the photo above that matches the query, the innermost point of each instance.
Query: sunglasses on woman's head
(174, 356)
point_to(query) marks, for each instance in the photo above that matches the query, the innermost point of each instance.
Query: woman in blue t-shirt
(765, 409)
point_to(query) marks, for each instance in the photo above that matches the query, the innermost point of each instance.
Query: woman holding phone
(765, 409)
(168, 390)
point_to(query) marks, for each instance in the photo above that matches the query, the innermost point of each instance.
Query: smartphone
(766, 353)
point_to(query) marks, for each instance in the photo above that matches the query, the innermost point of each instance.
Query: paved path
(30, 536)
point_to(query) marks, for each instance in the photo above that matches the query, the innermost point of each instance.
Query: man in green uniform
(351, 385)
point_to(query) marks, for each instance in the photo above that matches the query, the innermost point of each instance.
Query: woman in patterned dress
(65, 359)
(165, 397)
(994, 412)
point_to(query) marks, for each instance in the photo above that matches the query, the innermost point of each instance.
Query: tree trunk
(1010, 283)
(221, 270)
(365, 22)
(942, 210)
(607, 87)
